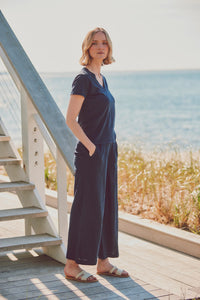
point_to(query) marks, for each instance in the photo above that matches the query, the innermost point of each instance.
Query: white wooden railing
(41, 120)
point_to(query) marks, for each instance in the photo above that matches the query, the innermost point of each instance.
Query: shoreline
(122, 71)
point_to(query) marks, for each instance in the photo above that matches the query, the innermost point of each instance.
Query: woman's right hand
(92, 150)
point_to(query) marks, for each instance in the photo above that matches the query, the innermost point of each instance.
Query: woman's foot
(104, 267)
(72, 269)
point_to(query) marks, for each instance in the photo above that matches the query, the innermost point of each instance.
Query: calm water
(153, 109)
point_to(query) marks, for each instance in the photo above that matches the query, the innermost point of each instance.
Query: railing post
(32, 149)
(62, 196)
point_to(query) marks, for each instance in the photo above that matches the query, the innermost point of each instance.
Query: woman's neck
(95, 68)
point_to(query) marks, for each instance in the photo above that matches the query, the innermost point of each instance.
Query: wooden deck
(156, 272)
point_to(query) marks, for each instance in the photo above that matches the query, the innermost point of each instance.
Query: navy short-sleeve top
(97, 114)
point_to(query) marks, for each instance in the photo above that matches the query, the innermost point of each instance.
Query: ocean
(154, 109)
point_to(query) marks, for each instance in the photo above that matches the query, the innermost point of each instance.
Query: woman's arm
(74, 107)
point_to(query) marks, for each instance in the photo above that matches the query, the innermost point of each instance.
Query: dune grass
(162, 186)
(50, 175)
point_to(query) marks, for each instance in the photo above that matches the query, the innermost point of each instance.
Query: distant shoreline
(106, 71)
(122, 71)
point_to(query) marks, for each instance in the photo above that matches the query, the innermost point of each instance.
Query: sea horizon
(120, 70)
(155, 109)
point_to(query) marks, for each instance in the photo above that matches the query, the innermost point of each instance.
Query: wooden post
(62, 197)
(32, 150)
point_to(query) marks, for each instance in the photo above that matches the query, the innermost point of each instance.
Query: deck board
(161, 267)
(34, 279)
(156, 272)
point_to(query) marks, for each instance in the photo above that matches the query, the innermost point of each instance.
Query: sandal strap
(111, 270)
(118, 271)
(84, 275)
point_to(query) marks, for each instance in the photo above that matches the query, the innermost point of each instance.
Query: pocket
(95, 152)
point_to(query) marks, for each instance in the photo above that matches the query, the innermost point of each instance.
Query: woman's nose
(101, 46)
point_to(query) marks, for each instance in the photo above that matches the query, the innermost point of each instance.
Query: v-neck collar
(94, 76)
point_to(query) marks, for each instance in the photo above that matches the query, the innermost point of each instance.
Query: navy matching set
(93, 230)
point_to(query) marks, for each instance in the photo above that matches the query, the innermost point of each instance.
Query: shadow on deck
(32, 275)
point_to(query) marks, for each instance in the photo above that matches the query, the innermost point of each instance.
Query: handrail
(25, 76)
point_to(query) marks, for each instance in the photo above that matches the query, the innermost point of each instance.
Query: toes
(125, 273)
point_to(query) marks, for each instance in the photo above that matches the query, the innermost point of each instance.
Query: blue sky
(146, 34)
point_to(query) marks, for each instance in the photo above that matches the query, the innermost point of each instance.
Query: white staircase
(41, 120)
(33, 209)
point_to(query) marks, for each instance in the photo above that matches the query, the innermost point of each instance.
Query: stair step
(15, 186)
(29, 241)
(21, 213)
(9, 161)
(4, 138)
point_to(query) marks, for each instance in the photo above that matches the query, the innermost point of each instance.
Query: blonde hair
(86, 58)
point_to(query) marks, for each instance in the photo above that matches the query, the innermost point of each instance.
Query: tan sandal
(81, 277)
(115, 272)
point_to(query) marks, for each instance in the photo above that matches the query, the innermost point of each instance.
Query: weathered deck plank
(161, 267)
(22, 213)
(43, 276)
(29, 241)
(156, 272)
(15, 186)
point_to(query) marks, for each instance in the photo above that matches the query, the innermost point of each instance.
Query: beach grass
(50, 175)
(163, 186)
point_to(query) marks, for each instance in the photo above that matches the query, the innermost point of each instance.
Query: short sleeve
(80, 85)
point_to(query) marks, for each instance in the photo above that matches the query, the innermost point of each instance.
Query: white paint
(62, 197)
(45, 135)
(32, 141)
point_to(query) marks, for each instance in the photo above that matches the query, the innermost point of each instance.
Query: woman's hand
(92, 150)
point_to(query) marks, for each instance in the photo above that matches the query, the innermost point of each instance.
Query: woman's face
(99, 48)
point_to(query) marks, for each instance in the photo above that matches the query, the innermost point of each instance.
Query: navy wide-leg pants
(93, 230)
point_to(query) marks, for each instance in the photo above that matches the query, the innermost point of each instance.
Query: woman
(93, 230)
